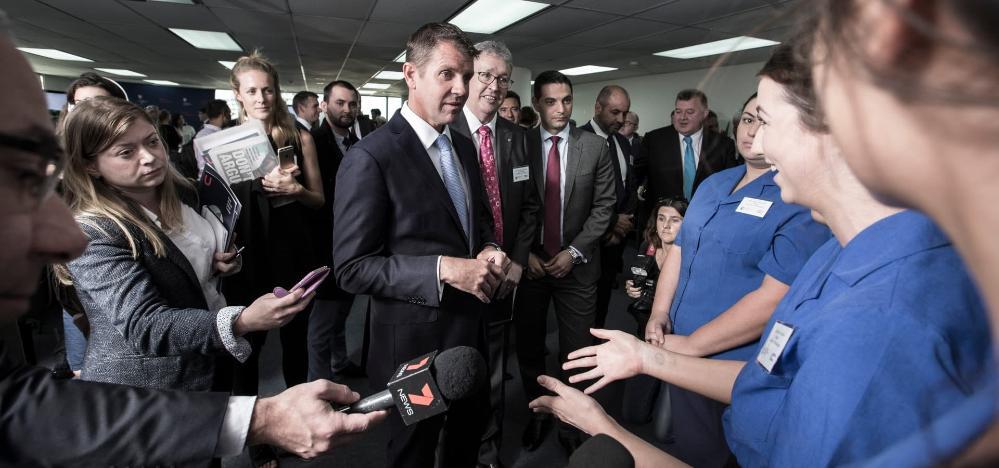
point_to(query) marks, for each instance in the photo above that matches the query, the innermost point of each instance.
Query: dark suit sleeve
(642, 162)
(123, 290)
(602, 208)
(48, 422)
(530, 207)
(363, 263)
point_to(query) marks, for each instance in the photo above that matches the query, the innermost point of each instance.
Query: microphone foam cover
(460, 372)
(601, 451)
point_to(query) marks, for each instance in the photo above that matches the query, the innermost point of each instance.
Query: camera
(640, 277)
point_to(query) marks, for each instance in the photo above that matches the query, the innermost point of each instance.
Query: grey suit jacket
(589, 199)
(149, 326)
(520, 200)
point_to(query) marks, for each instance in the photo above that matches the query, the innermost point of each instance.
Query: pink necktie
(553, 202)
(487, 164)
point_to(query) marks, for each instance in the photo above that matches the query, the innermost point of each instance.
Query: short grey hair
(498, 49)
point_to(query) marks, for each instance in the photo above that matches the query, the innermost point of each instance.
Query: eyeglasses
(33, 186)
(487, 78)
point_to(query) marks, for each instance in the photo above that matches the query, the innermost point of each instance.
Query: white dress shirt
(622, 161)
(474, 125)
(563, 156)
(304, 122)
(208, 129)
(696, 139)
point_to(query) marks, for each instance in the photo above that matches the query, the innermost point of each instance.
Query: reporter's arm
(669, 277)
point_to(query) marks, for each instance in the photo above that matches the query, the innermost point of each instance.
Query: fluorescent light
(400, 58)
(211, 40)
(376, 85)
(119, 71)
(366, 92)
(227, 64)
(489, 16)
(54, 54)
(162, 82)
(389, 75)
(183, 2)
(586, 70)
(717, 47)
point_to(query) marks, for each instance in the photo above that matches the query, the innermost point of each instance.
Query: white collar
(563, 135)
(696, 136)
(302, 121)
(428, 135)
(474, 124)
(599, 131)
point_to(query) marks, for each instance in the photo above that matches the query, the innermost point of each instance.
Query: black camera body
(640, 277)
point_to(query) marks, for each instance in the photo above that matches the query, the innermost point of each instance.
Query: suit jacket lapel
(504, 140)
(575, 152)
(534, 150)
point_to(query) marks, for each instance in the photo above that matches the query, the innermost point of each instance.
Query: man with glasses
(513, 203)
(49, 422)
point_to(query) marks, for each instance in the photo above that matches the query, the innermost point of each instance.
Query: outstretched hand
(572, 407)
(618, 358)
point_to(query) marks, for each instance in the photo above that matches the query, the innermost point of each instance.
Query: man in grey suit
(573, 171)
(49, 422)
(513, 201)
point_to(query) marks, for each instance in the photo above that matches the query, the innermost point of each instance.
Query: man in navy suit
(609, 114)
(413, 231)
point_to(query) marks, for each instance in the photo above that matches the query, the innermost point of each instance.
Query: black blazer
(624, 190)
(520, 199)
(662, 161)
(330, 156)
(366, 125)
(48, 422)
(394, 219)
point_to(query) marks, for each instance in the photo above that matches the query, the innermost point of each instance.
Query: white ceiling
(354, 39)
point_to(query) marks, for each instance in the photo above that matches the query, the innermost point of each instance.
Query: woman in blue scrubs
(738, 250)
(882, 331)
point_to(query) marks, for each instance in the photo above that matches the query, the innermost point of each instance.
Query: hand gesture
(560, 265)
(535, 267)
(572, 407)
(619, 358)
(477, 276)
(269, 312)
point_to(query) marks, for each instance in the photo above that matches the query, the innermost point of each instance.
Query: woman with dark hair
(89, 85)
(926, 72)
(882, 331)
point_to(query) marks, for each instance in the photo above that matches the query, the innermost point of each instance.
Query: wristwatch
(577, 258)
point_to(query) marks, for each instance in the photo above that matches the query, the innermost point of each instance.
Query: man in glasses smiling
(47, 422)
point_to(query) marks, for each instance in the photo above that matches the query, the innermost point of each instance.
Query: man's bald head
(612, 105)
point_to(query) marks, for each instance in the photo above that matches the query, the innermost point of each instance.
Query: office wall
(653, 96)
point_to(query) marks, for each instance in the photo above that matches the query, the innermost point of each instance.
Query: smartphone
(310, 282)
(286, 157)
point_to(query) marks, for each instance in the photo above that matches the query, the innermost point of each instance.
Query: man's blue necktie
(449, 168)
(689, 167)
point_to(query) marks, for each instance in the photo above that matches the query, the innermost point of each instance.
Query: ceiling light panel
(717, 47)
(119, 71)
(389, 75)
(489, 16)
(54, 54)
(162, 82)
(376, 86)
(586, 70)
(211, 40)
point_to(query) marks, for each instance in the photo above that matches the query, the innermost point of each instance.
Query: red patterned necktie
(487, 164)
(553, 202)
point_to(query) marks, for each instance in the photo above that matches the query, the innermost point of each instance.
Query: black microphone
(422, 387)
(601, 451)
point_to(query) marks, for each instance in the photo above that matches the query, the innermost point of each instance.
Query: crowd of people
(816, 290)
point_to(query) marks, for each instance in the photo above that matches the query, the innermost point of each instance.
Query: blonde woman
(147, 280)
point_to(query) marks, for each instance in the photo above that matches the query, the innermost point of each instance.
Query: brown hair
(651, 233)
(422, 43)
(795, 74)
(280, 124)
(89, 130)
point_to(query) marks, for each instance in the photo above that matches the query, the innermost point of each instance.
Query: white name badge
(772, 349)
(754, 207)
(521, 173)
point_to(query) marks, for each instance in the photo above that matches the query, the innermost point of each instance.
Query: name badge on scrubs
(521, 173)
(771, 350)
(754, 207)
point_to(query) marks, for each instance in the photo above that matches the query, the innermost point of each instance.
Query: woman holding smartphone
(148, 278)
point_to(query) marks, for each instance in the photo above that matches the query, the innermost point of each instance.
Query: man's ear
(409, 72)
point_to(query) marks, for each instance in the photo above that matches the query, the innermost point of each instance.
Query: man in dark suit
(50, 422)
(513, 202)
(675, 159)
(574, 175)
(306, 105)
(362, 125)
(413, 230)
(327, 328)
(630, 132)
(608, 116)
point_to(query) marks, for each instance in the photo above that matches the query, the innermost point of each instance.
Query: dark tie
(553, 202)
(487, 165)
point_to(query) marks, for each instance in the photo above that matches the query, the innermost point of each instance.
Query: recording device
(640, 278)
(286, 157)
(422, 387)
(601, 451)
(310, 282)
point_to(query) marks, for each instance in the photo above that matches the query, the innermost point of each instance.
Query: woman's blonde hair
(89, 130)
(280, 122)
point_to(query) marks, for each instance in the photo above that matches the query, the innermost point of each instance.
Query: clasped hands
(558, 266)
(489, 275)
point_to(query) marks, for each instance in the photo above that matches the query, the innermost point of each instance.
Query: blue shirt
(726, 254)
(889, 333)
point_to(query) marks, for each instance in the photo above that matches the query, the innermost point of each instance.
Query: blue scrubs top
(725, 254)
(889, 334)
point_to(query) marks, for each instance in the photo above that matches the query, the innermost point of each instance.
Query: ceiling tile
(691, 12)
(554, 23)
(353, 9)
(628, 7)
(415, 12)
(614, 32)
